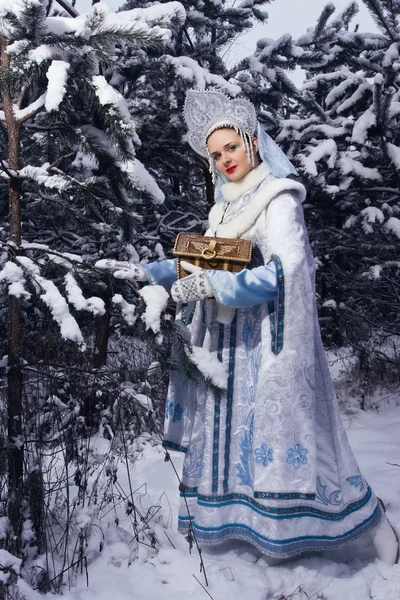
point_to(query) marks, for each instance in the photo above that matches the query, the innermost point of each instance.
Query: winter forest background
(94, 164)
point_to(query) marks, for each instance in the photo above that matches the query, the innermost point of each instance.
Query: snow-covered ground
(125, 570)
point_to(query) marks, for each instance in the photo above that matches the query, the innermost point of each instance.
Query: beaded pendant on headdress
(208, 110)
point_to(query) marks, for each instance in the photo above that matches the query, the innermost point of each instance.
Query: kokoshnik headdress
(208, 110)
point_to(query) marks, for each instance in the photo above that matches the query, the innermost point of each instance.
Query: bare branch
(67, 6)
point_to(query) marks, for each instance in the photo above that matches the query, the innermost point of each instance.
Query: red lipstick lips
(231, 169)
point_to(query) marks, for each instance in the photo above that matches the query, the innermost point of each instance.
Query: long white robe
(267, 460)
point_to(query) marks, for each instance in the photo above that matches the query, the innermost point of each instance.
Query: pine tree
(342, 131)
(74, 183)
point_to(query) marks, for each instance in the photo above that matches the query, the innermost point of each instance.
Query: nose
(226, 159)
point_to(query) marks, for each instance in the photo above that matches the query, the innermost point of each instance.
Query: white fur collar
(247, 218)
(236, 189)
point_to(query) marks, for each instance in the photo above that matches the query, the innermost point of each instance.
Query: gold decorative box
(222, 254)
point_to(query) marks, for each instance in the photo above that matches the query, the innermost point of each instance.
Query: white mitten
(193, 287)
(122, 269)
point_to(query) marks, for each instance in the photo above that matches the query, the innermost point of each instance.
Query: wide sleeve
(247, 288)
(161, 273)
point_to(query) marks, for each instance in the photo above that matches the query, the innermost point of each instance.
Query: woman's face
(226, 148)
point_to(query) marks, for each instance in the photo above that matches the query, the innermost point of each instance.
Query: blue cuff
(162, 273)
(247, 288)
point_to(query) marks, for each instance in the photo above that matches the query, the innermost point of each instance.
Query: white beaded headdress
(208, 110)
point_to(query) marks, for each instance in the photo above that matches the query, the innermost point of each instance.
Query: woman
(266, 460)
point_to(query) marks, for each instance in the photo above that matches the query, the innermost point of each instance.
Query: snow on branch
(29, 111)
(45, 52)
(151, 22)
(109, 96)
(209, 365)
(56, 303)
(158, 14)
(189, 70)
(57, 75)
(372, 214)
(341, 89)
(156, 299)
(42, 177)
(65, 259)
(14, 276)
(393, 225)
(16, 7)
(355, 97)
(9, 563)
(137, 173)
(325, 148)
(127, 310)
(394, 154)
(362, 125)
(75, 296)
(349, 165)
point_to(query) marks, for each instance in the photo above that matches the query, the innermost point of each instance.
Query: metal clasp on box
(210, 252)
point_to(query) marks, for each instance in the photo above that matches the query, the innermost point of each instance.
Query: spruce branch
(377, 12)
(326, 13)
(61, 159)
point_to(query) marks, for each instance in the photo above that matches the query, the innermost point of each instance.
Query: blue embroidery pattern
(356, 481)
(245, 471)
(231, 376)
(251, 337)
(335, 498)
(264, 455)
(178, 410)
(297, 456)
(175, 411)
(193, 465)
(283, 496)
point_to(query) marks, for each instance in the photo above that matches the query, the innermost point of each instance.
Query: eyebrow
(225, 146)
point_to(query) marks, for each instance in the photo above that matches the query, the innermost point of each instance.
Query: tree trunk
(15, 375)
(209, 187)
(102, 331)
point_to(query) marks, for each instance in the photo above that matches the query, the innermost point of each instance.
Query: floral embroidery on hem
(178, 410)
(175, 411)
(264, 455)
(297, 456)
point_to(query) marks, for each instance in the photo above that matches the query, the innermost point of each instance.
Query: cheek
(241, 155)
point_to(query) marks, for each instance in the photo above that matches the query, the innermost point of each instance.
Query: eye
(233, 147)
